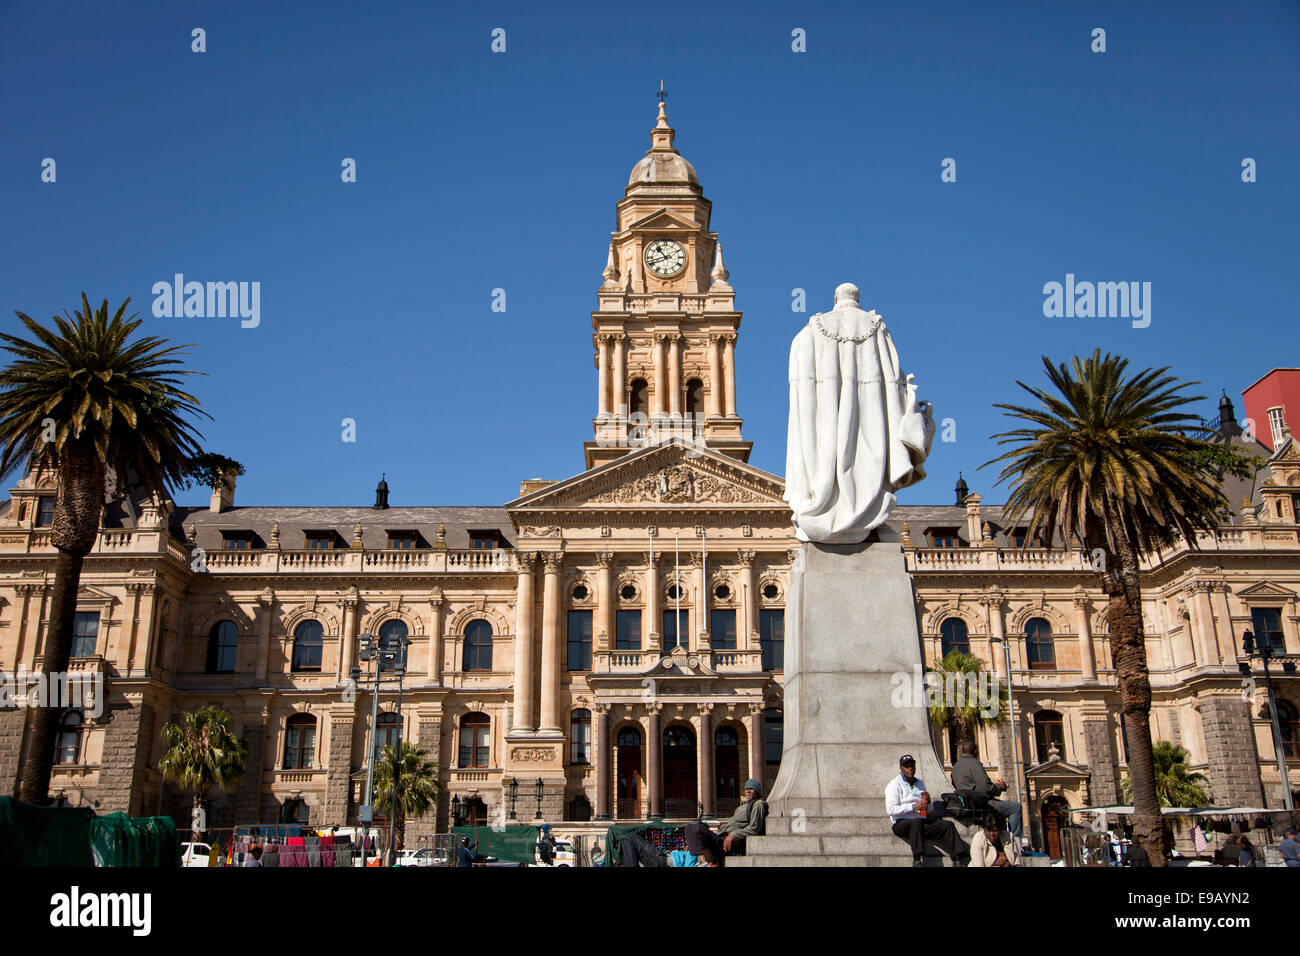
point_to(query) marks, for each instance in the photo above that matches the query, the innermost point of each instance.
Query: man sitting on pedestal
(750, 819)
(908, 805)
(968, 776)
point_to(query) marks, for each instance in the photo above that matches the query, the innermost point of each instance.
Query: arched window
(640, 397)
(953, 637)
(478, 647)
(580, 736)
(629, 737)
(307, 646)
(1038, 645)
(300, 742)
(392, 636)
(1049, 731)
(1289, 723)
(695, 398)
(222, 640)
(474, 746)
(67, 740)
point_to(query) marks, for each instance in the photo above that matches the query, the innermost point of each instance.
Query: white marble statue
(857, 433)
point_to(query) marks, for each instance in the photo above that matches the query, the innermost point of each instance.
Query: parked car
(563, 852)
(195, 854)
(425, 856)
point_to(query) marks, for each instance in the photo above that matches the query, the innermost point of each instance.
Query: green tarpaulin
(119, 840)
(669, 837)
(44, 836)
(512, 844)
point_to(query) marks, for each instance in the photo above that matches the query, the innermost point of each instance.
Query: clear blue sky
(479, 170)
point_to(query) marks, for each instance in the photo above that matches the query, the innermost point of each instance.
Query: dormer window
(944, 538)
(236, 540)
(401, 540)
(484, 540)
(320, 540)
(45, 511)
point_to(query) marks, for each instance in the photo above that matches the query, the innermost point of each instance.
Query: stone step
(848, 826)
(828, 845)
(794, 859)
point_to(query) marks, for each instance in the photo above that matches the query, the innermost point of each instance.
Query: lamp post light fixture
(366, 812)
(456, 819)
(513, 791)
(538, 787)
(1264, 651)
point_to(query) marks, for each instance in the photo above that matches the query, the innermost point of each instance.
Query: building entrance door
(681, 794)
(628, 770)
(726, 761)
(1053, 823)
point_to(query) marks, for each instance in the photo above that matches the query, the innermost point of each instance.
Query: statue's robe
(857, 433)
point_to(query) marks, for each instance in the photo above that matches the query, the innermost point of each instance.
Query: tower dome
(662, 163)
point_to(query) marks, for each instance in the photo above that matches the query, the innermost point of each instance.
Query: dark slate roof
(375, 524)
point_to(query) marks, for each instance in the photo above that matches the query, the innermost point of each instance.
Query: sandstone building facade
(616, 638)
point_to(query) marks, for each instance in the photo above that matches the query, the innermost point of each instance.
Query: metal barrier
(1080, 847)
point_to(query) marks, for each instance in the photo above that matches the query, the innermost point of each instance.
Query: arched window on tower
(639, 397)
(695, 399)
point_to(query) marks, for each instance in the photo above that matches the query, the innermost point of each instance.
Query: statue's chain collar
(871, 330)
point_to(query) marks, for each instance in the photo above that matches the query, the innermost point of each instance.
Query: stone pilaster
(1098, 742)
(120, 763)
(1230, 751)
(248, 796)
(12, 723)
(338, 781)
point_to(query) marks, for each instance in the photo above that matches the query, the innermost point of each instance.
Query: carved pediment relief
(1266, 589)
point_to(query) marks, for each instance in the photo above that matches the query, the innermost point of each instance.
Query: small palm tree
(83, 403)
(417, 787)
(1177, 785)
(1109, 461)
(965, 711)
(203, 752)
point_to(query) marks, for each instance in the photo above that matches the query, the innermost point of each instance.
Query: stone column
(755, 724)
(602, 377)
(435, 637)
(605, 598)
(604, 770)
(25, 592)
(620, 376)
(1087, 657)
(653, 640)
(654, 762)
(550, 712)
(523, 676)
(1207, 652)
(348, 639)
(704, 641)
(748, 601)
(705, 748)
(729, 365)
(1000, 654)
(660, 404)
(265, 606)
(715, 376)
(675, 374)
(142, 614)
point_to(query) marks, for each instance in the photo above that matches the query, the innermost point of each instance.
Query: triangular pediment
(1266, 589)
(1057, 768)
(665, 219)
(90, 593)
(676, 473)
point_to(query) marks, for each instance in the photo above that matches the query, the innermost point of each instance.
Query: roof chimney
(223, 495)
(381, 494)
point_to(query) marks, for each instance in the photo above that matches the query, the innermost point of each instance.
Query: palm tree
(417, 787)
(203, 752)
(1108, 461)
(964, 711)
(83, 403)
(1177, 785)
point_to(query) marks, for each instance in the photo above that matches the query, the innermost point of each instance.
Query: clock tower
(666, 322)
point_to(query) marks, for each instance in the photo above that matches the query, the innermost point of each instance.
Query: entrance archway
(681, 795)
(1054, 817)
(628, 774)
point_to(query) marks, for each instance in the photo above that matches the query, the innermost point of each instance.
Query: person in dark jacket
(465, 855)
(750, 819)
(1247, 855)
(968, 775)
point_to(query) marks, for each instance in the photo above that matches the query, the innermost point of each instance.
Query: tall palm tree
(965, 712)
(203, 752)
(417, 787)
(82, 402)
(1177, 785)
(1108, 461)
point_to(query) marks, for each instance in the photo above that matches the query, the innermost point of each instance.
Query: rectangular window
(579, 640)
(1018, 536)
(629, 631)
(771, 636)
(1276, 423)
(45, 512)
(85, 633)
(474, 745)
(483, 540)
(722, 629)
(237, 544)
(671, 636)
(1267, 624)
(401, 540)
(773, 737)
(580, 742)
(320, 540)
(944, 538)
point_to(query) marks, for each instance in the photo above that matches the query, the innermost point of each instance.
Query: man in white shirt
(908, 806)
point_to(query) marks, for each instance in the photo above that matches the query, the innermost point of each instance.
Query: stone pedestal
(852, 656)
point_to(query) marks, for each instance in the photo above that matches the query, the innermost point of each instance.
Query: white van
(195, 854)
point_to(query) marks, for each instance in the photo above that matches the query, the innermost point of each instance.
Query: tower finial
(611, 269)
(720, 274)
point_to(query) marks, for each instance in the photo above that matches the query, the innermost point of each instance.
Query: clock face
(664, 257)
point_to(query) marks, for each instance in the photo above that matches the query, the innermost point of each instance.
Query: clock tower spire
(665, 326)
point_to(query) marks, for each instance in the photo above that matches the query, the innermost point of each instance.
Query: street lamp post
(1264, 651)
(538, 788)
(399, 670)
(366, 812)
(514, 795)
(1015, 734)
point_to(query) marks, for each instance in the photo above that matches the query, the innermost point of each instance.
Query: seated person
(750, 819)
(908, 806)
(968, 776)
(991, 847)
(637, 851)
